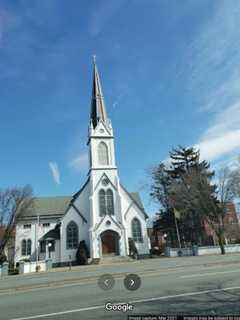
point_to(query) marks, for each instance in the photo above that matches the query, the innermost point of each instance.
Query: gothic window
(24, 247)
(102, 203)
(109, 202)
(106, 202)
(103, 154)
(29, 247)
(72, 235)
(136, 230)
(42, 247)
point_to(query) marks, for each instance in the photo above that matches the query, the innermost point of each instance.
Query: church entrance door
(110, 240)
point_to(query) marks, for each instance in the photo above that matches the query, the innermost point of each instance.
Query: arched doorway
(110, 243)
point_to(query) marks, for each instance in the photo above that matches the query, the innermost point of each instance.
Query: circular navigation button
(132, 282)
(106, 282)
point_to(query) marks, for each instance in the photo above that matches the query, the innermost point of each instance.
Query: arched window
(102, 203)
(109, 202)
(29, 247)
(72, 235)
(103, 154)
(136, 230)
(106, 202)
(24, 247)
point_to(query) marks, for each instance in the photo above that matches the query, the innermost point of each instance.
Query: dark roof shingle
(49, 206)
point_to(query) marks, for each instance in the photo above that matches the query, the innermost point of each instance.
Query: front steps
(115, 259)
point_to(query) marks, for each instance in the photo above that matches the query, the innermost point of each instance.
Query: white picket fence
(31, 266)
(229, 248)
(201, 251)
(4, 270)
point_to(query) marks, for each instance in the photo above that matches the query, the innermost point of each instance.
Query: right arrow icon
(132, 282)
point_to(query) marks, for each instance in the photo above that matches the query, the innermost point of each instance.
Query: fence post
(21, 267)
(48, 264)
(5, 269)
(195, 250)
(167, 251)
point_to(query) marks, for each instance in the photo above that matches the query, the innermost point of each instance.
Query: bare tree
(13, 202)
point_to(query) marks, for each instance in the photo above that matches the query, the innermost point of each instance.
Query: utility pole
(177, 214)
(178, 235)
(36, 237)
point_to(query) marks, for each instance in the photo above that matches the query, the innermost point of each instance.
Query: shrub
(38, 268)
(3, 258)
(155, 251)
(82, 253)
(133, 252)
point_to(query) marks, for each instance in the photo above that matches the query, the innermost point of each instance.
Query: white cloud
(215, 148)
(55, 171)
(80, 162)
(223, 136)
(213, 73)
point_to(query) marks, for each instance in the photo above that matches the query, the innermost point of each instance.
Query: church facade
(102, 213)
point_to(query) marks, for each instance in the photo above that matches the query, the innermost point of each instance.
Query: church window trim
(100, 181)
(72, 235)
(103, 155)
(106, 202)
(137, 230)
(102, 202)
(110, 202)
(29, 247)
(24, 247)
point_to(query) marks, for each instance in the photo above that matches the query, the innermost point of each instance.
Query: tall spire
(98, 110)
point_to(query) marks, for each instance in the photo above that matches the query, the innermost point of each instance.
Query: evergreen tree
(82, 253)
(183, 161)
(160, 192)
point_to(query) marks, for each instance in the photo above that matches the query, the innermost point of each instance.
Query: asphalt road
(190, 285)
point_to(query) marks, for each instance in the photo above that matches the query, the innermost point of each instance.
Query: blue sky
(170, 73)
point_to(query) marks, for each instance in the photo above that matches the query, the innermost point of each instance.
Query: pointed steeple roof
(98, 110)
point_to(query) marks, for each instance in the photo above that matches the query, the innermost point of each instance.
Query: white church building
(102, 213)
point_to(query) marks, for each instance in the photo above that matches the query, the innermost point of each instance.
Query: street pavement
(182, 285)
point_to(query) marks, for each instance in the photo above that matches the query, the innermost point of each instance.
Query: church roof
(53, 234)
(98, 110)
(57, 206)
(48, 206)
(136, 197)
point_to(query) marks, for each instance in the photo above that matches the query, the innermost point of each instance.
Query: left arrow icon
(106, 282)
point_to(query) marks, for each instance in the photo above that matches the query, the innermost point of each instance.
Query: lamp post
(49, 251)
(165, 237)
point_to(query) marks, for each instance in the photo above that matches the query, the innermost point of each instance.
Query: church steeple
(98, 110)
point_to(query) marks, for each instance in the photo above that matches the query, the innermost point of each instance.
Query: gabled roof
(78, 192)
(58, 206)
(137, 200)
(53, 234)
(48, 206)
(136, 197)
